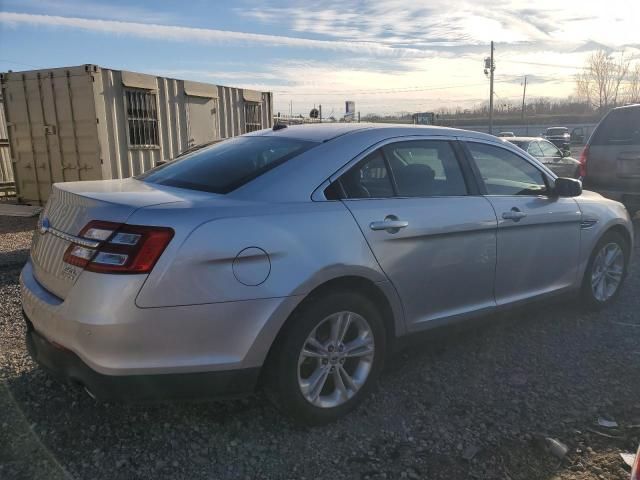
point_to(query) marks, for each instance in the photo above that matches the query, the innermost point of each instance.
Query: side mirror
(565, 153)
(567, 187)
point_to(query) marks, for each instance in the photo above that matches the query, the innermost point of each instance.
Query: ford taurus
(295, 258)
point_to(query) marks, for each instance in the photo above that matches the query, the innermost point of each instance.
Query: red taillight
(583, 161)
(122, 248)
(635, 471)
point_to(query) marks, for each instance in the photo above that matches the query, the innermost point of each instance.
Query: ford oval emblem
(44, 226)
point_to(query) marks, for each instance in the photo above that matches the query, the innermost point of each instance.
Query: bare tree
(599, 82)
(632, 92)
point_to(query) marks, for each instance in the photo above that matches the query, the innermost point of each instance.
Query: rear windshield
(225, 166)
(522, 144)
(620, 127)
(557, 131)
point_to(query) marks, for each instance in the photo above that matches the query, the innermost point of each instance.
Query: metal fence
(296, 120)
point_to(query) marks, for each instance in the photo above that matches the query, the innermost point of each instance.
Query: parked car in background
(297, 258)
(506, 134)
(611, 158)
(559, 136)
(546, 152)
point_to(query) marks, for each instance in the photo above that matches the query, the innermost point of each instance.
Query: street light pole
(524, 93)
(491, 69)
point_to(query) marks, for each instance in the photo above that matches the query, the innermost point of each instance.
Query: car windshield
(223, 167)
(557, 131)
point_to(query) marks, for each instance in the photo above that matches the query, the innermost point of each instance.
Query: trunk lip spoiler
(44, 227)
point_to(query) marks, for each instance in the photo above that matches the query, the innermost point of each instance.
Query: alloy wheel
(607, 272)
(336, 359)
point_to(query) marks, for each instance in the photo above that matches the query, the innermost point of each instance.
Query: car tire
(290, 374)
(595, 294)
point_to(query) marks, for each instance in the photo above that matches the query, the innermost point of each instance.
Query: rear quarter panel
(307, 244)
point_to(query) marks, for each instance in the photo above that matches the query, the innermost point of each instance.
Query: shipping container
(7, 186)
(93, 123)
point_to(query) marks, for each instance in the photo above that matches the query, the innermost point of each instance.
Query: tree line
(607, 81)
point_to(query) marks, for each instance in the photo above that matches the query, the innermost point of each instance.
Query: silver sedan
(294, 259)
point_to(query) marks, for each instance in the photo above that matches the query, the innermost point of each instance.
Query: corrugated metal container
(6, 170)
(92, 123)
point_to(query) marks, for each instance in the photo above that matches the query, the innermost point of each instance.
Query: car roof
(523, 139)
(323, 132)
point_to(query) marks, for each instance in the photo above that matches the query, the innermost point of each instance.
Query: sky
(388, 56)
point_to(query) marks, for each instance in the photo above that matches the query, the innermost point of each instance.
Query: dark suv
(610, 161)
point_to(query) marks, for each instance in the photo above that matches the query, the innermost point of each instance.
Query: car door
(538, 233)
(434, 239)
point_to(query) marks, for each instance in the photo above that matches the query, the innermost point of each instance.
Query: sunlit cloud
(186, 34)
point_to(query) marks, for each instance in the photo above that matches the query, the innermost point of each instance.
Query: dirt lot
(471, 403)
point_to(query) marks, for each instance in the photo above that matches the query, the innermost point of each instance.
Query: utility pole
(524, 93)
(320, 112)
(492, 67)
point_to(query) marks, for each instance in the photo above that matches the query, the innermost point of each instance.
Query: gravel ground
(476, 403)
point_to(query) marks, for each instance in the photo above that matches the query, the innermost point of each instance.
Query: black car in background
(559, 162)
(559, 136)
(610, 161)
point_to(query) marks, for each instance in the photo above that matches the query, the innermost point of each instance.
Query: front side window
(142, 118)
(505, 173)
(368, 179)
(227, 165)
(425, 168)
(549, 149)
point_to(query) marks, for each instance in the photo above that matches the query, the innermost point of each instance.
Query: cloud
(89, 9)
(207, 35)
(551, 24)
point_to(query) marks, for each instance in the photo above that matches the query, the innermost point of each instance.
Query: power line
(540, 64)
(19, 63)
(389, 90)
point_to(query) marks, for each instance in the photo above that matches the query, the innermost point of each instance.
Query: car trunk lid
(71, 206)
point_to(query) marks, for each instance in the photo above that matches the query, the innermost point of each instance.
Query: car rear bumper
(99, 323)
(66, 365)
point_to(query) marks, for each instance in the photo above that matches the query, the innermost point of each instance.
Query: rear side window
(505, 173)
(225, 166)
(368, 179)
(620, 127)
(425, 168)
